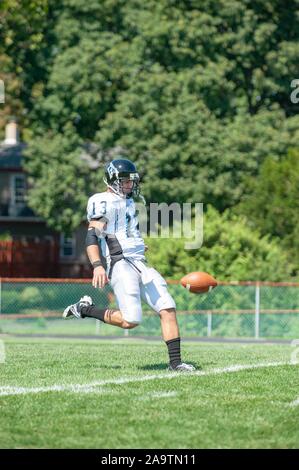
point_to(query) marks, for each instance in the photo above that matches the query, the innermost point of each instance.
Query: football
(198, 282)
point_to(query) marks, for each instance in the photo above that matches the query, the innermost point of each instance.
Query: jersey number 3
(103, 205)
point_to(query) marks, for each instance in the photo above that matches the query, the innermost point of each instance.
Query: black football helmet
(118, 170)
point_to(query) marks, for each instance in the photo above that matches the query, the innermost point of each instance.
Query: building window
(17, 202)
(67, 246)
(19, 190)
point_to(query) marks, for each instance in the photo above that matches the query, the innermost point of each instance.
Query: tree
(273, 202)
(188, 153)
(231, 250)
(62, 180)
(25, 55)
(197, 93)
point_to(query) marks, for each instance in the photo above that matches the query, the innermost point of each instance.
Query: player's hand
(99, 277)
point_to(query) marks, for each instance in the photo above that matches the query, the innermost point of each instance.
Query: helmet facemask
(117, 186)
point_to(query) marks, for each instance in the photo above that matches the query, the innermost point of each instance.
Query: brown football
(198, 282)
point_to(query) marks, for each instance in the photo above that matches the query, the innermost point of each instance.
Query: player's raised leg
(86, 308)
(125, 284)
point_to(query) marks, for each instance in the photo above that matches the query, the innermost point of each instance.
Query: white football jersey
(121, 237)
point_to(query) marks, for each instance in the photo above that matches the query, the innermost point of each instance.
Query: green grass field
(118, 394)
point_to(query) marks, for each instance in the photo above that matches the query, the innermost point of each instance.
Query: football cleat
(182, 367)
(74, 310)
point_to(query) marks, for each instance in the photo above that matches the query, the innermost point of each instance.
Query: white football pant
(131, 281)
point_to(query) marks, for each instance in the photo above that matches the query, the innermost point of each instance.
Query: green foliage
(197, 93)
(5, 237)
(31, 296)
(62, 180)
(25, 55)
(273, 202)
(231, 250)
(188, 153)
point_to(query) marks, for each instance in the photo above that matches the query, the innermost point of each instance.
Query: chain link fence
(232, 310)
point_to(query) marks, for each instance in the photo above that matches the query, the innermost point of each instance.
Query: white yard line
(159, 395)
(294, 403)
(89, 387)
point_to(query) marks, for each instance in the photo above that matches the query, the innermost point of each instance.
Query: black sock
(174, 351)
(93, 312)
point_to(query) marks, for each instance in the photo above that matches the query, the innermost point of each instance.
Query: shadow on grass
(164, 366)
(161, 366)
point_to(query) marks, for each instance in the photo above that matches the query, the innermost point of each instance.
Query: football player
(116, 251)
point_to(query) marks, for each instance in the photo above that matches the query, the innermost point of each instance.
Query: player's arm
(93, 252)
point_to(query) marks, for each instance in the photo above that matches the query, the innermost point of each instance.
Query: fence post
(209, 325)
(257, 311)
(126, 332)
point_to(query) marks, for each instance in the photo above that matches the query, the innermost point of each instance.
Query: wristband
(97, 263)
